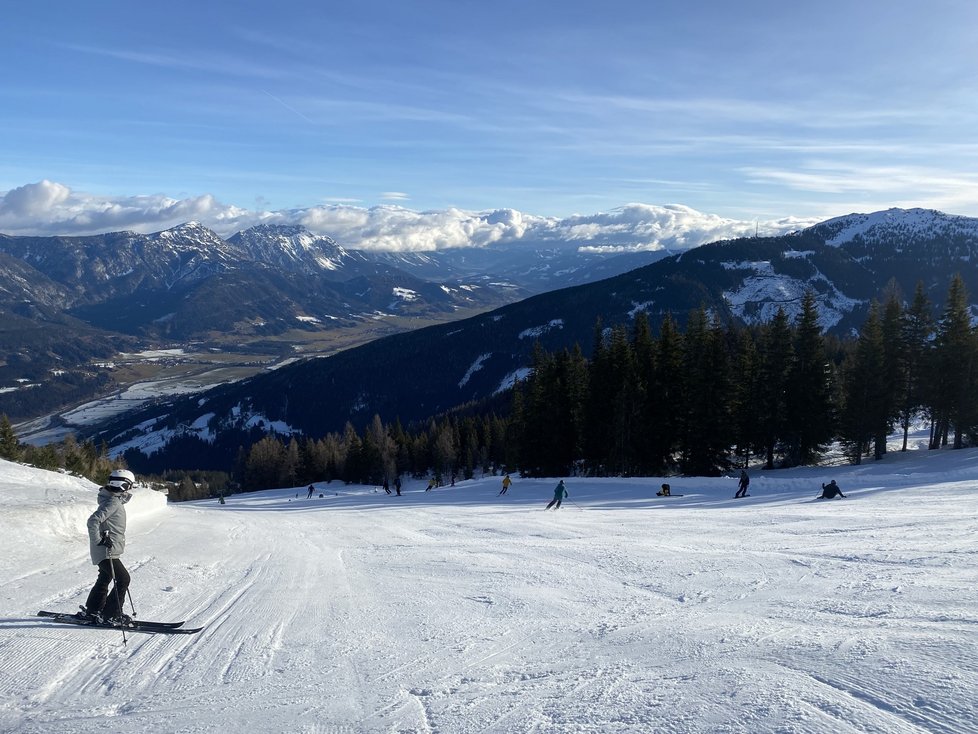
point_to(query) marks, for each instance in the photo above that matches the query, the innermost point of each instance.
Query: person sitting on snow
(666, 491)
(830, 491)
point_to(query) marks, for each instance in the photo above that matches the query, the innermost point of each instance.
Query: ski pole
(118, 601)
(129, 594)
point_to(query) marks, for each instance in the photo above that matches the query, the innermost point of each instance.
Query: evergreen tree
(9, 445)
(383, 462)
(353, 469)
(667, 391)
(445, 453)
(626, 405)
(776, 355)
(954, 379)
(263, 467)
(705, 447)
(643, 350)
(746, 390)
(553, 413)
(893, 366)
(290, 464)
(808, 409)
(865, 408)
(601, 394)
(917, 328)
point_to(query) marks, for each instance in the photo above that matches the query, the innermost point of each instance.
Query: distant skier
(431, 485)
(830, 491)
(397, 485)
(560, 492)
(107, 541)
(742, 484)
(666, 491)
(311, 490)
(506, 482)
(387, 486)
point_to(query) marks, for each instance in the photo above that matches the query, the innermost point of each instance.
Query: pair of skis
(138, 625)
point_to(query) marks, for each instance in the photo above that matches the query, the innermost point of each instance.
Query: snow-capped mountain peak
(292, 245)
(923, 224)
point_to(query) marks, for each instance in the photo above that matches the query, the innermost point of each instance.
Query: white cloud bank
(51, 208)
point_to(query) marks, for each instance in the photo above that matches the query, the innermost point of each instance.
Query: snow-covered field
(458, 611)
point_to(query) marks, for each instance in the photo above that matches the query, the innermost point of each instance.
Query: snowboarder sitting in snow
(666, 491)
(107, 541)
(830, 491)
(559, 493)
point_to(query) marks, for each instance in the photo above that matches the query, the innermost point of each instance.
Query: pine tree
(626, 404)
(917, 329)
(705, 443)
(668, 392)
(515, 428)
(865, 400)
(263, 467)
(893, 366)
(9, 445)
(383, 463)
(352, 469)
(808, 391)
(445, 453)
(954, 379)
(746, 390)
(776, 355)
(290, 464)
(643, 349)
(600, 393)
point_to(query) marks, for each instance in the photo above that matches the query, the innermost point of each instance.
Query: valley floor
(459, 610)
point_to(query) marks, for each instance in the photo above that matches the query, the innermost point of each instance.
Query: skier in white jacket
(107, 541)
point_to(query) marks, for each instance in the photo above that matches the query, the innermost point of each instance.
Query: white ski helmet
(122, 479)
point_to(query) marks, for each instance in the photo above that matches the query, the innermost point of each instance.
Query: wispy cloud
(289, 107)
(869, 188)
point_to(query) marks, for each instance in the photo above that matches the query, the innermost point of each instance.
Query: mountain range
(68, 304)
(846, 262)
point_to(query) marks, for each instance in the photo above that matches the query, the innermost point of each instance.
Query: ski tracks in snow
(436, 616)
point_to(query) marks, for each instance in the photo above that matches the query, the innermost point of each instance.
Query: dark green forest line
(696, 402)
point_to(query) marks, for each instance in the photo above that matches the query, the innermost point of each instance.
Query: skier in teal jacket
(559, 493)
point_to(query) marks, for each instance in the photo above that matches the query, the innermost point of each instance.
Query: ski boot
(122, 620)
(87, 616)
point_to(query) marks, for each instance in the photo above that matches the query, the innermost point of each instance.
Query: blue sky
(749, 110)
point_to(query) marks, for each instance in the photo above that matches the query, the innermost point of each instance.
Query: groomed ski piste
(458, 610)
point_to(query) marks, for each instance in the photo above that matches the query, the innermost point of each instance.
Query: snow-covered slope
(894, 224)
(461, 611)
(291, 247)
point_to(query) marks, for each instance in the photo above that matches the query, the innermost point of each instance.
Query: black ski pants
(552, 503)
(99, 598)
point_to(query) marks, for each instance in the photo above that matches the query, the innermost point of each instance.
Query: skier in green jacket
(559, 493)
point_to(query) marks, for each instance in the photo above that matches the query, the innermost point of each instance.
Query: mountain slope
(415, 375)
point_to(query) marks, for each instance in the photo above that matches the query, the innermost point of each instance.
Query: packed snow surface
(459, 610)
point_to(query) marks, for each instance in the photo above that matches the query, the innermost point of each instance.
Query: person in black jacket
(830, 491)
(742, 484)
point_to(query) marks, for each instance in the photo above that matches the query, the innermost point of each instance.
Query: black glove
(106, 540)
